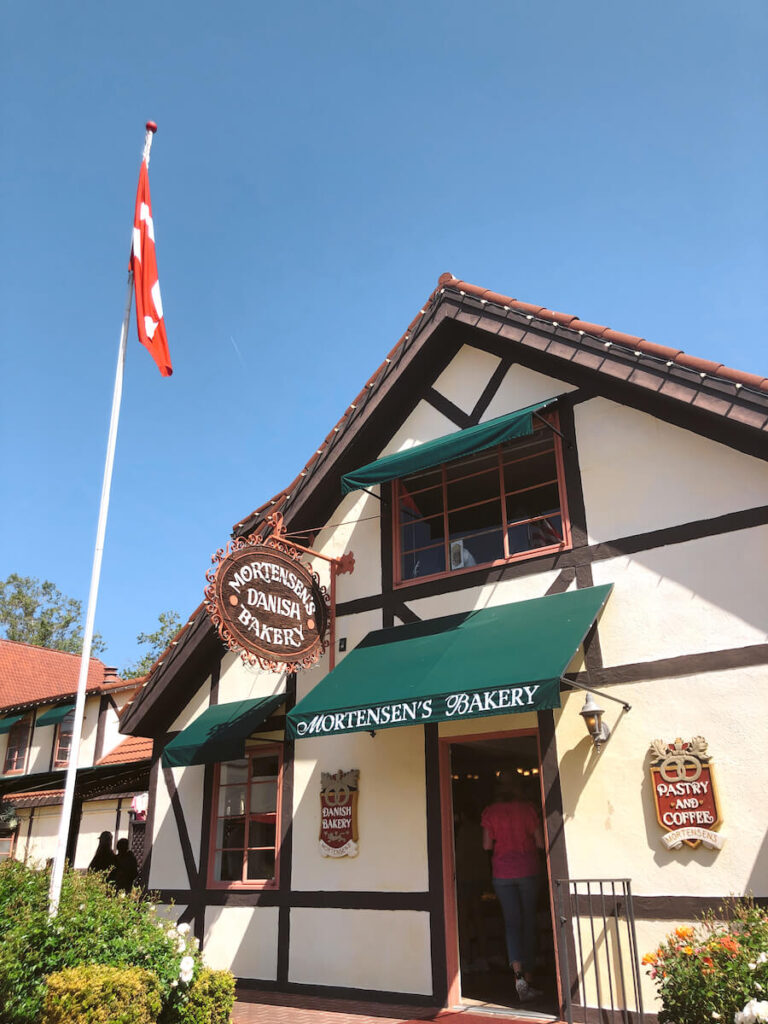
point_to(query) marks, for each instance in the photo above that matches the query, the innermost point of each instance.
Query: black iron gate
(598, 951)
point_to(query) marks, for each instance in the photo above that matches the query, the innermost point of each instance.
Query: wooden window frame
(27, 721)
(57, 762)
(12, 849)
(256, 883)
(551, 419)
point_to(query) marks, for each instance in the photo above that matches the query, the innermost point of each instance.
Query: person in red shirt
(512, 832)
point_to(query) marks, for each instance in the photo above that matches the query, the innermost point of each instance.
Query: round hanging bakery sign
(267, 604)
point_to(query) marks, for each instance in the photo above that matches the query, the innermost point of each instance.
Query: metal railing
(598, 950)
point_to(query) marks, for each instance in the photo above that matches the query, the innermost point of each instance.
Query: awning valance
(6, 724)
(219, 734)
(494, 661)
(444, 449)
(54, 715)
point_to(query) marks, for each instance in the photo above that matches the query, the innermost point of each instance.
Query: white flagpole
(57, 873)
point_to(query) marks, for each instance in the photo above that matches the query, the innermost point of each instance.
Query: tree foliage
(35, 612)
(168, 626)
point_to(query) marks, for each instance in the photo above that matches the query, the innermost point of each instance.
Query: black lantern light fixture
(592, 714)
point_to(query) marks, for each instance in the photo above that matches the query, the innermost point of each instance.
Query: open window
(501, 504)
(62, 747)
(17, 751)
(245, 827)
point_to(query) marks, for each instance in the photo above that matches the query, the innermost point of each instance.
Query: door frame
(453, 981)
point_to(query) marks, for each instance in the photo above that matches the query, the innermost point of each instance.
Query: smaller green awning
(444, 449)
(219, 734)
(54, 715)
(6, 724)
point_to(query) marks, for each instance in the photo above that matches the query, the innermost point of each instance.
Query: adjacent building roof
(133, 748)
(32, 675)
(720, 400)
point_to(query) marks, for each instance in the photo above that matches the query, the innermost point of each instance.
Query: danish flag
(149, 307)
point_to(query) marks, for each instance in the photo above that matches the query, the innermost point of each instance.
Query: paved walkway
(255, 1007)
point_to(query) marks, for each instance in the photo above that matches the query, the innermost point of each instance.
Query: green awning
(494, 661)
(6, 724)
(219, 734)
(444, 449)
(55, 715)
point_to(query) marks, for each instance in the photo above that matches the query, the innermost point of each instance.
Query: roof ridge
(50, 650)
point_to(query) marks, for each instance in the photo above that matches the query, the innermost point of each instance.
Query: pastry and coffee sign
(685, 795)
(267, 604)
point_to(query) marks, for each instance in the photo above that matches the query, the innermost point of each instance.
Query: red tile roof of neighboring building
(34, 675)
(132, 748)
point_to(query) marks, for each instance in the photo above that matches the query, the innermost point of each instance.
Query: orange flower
(649, 958)
(729, 944)
(688, 950)
(707, 965)
(684, 932)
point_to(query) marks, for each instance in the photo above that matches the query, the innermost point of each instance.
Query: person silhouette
(125, 869)
(104, 858)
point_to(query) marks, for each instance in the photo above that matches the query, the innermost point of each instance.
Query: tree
(38, 613)
(168, 626)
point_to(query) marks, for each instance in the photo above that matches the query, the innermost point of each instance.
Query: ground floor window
(6, 844)
(245, 826)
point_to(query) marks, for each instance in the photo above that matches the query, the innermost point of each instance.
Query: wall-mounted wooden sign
(338, 813)
(687, 808)
(267, 604)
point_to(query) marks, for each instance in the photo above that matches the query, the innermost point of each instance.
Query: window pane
(230, 833)
(479, 463)
(261, 833)
(537, 470)
(261, 864)
(416, 505)
(228, 866)
(231, 801)
(537, 502)
(541, 441)
(422, 533)
(233, 771)
(263, 796)
(265, 767)
(423, 563)
(420, 481)
(473, 489)
(541, 533)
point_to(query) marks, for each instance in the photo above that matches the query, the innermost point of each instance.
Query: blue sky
(317, 166)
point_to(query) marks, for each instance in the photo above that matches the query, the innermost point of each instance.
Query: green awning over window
(54, 715)
(6, 724)
(494, 661)
(444, 449)
(219, 734)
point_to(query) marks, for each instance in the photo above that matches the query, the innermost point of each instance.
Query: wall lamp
(592, 713)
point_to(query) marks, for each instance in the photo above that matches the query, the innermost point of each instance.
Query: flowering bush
(714, 971)
(94, 925)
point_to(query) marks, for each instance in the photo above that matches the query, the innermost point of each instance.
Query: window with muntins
(501, 504)
(18, 747)
(244, 840)
(63, 745)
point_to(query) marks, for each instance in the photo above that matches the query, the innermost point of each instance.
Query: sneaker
(523, 988)
(532, 993)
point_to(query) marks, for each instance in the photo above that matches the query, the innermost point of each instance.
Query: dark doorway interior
(476, 768)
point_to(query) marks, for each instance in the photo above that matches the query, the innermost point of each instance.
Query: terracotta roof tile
(132, 748)
(30, 674)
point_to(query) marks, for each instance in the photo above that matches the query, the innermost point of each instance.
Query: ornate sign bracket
(280, 621)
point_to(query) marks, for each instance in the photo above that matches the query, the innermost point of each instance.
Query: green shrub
(93, 926)
(102, 995)
(208, 1000)
(711, 970)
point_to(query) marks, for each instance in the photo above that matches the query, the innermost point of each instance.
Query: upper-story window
(244, 840)
(501, 504)
(17, 750)
(63, 742)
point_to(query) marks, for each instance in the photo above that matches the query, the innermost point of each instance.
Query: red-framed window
(63, 742)
(245, 826)
(17, 749)
(499, 505)
(7, 843)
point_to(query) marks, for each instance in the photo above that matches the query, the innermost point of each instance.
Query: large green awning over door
(444, 449)
(6, 724)
(55, 715)
(495, 661)
(219, 734)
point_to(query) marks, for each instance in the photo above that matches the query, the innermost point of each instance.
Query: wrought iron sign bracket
(600, 693)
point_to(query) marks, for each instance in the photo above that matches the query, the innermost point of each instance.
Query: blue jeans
(517, 897)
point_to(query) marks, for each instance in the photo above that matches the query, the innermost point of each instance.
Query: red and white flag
(149, 307)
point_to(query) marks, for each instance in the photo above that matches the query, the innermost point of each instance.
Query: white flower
(82, 906)
(187, 964)
(715, 1015)
(195, 942)
(182, 944)
(755, 1012)
(174, 984)
(185, 977)
(182, 929)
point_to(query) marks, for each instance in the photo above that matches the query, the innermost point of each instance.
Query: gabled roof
(132, 748)
(32, 675)
(719, 399)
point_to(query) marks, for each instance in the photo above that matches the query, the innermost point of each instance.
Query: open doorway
(483, 772)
